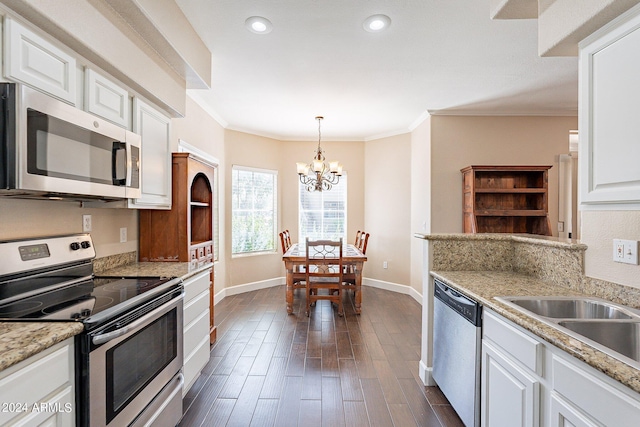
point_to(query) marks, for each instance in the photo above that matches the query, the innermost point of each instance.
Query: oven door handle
(144, 320)
(103, 338)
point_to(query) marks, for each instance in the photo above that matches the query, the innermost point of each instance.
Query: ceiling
(437, 56)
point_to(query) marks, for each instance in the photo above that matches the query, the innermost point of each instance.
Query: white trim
(197, 95)
(248, 287)
(393, 287)
(185, 147)
(269, 283)
(426, 374)
(418, 121)
(252, 169)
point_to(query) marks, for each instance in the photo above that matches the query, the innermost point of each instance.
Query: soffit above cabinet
(100, 34)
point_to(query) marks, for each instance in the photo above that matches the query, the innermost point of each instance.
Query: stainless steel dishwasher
(456, 351)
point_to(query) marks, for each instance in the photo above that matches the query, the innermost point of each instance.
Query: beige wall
(387, 215)
(598, 229)
(37, 218)
(244, 149)
(460, 141)
(349, 153)
(260, 152)
(420, 200)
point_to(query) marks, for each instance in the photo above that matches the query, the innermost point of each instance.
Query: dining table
(352, 258)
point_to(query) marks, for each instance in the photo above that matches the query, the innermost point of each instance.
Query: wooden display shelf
(184, 233)
(505, 199)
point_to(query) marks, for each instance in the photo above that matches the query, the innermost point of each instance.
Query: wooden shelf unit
(505, 199)
(184, 233)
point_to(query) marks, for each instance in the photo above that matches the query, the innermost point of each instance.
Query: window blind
(323, 215)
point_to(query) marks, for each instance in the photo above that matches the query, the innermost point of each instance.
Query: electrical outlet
(86, 223)
(560, 226)
(385, 265)
(123, 234)
(625, 251)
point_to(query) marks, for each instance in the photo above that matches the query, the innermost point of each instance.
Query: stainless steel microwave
(52, 149)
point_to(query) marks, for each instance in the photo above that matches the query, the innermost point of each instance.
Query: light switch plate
(625, 251)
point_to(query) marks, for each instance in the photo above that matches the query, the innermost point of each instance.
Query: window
(253, 211)
(323, 215)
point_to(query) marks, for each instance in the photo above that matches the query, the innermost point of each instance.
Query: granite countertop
(482, 286)
(161, 269)
(21, 340)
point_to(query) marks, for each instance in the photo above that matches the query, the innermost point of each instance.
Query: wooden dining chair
(357, 241)
(298, 273)
(364, 240)
(283, 242)
(349, 276)
(323, 272)
(287, 236)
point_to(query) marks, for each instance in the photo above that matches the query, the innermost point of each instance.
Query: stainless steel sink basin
(621, 337)
(570, 307)
(612, 328)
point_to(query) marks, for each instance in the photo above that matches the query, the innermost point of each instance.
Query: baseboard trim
(248, 287)
(426, 374)
(393, 287)
(254, 286)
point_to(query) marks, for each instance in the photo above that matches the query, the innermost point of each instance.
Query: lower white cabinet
(510, 391)
(196, 326)
(531, 385)
(40, 391)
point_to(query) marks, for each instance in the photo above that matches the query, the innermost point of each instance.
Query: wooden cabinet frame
(506, 199)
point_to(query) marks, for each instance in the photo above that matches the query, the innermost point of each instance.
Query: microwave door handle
(119, 166)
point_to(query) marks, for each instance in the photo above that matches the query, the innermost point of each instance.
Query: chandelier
(317, 176)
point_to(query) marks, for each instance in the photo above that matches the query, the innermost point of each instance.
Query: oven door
(129, 365)
(63, 149)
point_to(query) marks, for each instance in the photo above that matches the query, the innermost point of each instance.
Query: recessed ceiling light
(258, 25)
(376, 23)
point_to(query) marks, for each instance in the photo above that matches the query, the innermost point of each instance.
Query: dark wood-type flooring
(272, 369)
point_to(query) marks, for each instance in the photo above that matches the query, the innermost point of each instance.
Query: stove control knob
(75, 246)
(75, 316)
(86, 244)
(85, 312)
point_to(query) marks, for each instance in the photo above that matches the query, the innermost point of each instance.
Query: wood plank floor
(272, 369)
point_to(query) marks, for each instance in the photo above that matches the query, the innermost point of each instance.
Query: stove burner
(103, 302)
(19, 308)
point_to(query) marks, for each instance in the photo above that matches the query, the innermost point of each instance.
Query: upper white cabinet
(106, 99)
(32, 60)
(609, 120)
(155, 166)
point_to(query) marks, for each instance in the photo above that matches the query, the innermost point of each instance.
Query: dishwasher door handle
(458, 297)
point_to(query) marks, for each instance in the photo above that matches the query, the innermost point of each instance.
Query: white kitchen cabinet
(33, 60)
(40, 391)
(564, 414)
(106, 99)
(608, 115)
(196, 326)
(521, 371)
(595, 399)
(155, 166)
(511, 374)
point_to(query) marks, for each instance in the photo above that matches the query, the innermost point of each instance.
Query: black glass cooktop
(84, 300)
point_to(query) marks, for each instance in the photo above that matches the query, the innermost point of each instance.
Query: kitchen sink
(612, 328)
(570, 307)
(621, 337)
